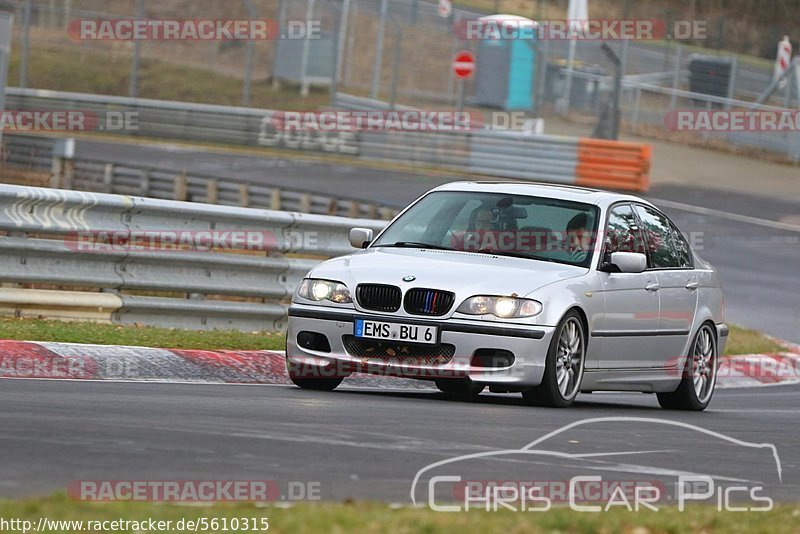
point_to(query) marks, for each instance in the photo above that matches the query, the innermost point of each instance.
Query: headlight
(319, 290)
(503, 307)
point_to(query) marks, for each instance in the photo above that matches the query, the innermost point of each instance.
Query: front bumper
(528, 344)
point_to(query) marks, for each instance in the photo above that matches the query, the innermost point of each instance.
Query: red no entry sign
(464, 65)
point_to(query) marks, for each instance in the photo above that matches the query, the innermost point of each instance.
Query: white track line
(726, 215)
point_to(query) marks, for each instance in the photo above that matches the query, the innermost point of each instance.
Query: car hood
(463, 273)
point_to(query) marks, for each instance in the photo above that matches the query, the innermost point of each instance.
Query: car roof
(557, 191)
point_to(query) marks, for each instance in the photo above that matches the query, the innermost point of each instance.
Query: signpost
(782, 62)
(464, 69)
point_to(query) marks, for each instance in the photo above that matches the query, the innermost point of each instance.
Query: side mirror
(360, 237)
(626, 262)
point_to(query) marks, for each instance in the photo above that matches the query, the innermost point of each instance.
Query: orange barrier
(613, 165)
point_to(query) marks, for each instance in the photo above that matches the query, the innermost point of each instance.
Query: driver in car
(579, 240)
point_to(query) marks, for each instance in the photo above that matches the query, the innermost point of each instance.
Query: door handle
(652, 286)
(692, 285)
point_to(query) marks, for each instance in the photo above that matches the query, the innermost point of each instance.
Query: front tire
(566, 359)
(459, 388)
(699, 376)
(311, 377)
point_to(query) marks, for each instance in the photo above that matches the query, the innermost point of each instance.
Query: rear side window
(659, 239)
(682, 247)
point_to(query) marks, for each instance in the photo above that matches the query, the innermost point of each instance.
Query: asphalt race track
(758, 263)
(369, 444)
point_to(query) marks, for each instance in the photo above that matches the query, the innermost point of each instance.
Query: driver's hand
(577, 255)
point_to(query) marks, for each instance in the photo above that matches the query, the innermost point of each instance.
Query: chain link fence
(399, 51)
(417, 44)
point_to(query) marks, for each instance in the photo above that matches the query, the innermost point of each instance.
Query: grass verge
(746, 341)
(379, 518)
(740, 341)
(61, 69)
(140, 336)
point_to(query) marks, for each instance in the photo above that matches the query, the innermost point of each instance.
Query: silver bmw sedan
(543, 290)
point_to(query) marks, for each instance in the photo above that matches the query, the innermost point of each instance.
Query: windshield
(513, 225)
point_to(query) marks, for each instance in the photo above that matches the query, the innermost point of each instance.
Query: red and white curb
(27, 359)
(43, 360)
(756, 370)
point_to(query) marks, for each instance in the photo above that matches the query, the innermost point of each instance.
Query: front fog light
(480, 305)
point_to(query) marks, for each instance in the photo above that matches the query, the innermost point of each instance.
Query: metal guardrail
(511, 154)
(461, 151)
(44, 247)
(37, 153)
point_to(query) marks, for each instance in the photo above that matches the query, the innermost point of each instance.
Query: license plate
(409, 333)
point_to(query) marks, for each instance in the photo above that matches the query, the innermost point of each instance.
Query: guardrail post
(212, 192)
(333, 207)
(373, 211)
(275, 199)
(144, 186)
(386, 214)
(355, 208)
(62, 167)
(244, 195)
(181, 187)
(305, 203)
(55, 174)
(108, 178)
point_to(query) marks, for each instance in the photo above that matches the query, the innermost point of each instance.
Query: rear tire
(311, 377)
(564, 365)
(699, 375)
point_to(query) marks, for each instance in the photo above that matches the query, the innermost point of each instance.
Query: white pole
(578, 10)
(376, 67)
(304, 89)
(343, 20)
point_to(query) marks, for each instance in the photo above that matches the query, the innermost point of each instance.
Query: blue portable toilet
(506, 63)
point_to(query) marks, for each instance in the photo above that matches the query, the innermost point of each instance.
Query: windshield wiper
(508, 253)
(414, 244)
(524, 256)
